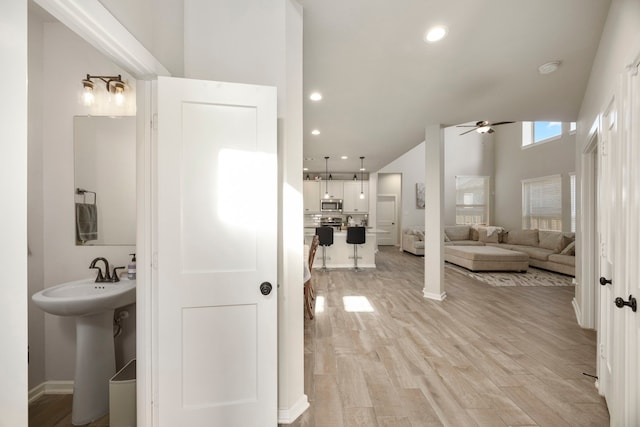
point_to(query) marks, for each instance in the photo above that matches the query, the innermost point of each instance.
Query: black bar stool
(325, 234)
(356, 236)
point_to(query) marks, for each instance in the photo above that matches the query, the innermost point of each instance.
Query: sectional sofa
(549, 250)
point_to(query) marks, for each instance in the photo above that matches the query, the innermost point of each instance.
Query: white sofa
(549, 250)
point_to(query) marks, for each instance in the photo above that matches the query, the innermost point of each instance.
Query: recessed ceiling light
(435, 34)
(305, 169)
(315, 96)
(344, 157)
(549, 67)
(315, 132)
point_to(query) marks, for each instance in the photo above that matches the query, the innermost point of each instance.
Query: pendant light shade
(326, 176)
(361, 177)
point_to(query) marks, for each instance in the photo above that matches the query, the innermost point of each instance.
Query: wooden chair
(309, 295)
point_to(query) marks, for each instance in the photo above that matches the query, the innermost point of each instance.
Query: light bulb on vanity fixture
(113, 85)
(361, 177)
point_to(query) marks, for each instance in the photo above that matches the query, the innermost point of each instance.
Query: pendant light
(361, 177)
(326, 176)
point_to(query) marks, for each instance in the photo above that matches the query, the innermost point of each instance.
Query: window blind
(472, 199)
(542, 203)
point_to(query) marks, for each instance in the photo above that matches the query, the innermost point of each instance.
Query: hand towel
(86, 222)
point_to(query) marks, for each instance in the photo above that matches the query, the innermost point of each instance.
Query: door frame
(585, 302)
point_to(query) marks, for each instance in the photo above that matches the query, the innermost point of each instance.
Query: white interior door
(620, 252)
(387, 220)
(215, 353)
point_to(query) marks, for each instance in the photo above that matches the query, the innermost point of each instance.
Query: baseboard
(576, 310)
(437, 297)
(50, 387)
(288, 416)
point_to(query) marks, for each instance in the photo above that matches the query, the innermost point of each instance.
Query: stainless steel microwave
(331, 205)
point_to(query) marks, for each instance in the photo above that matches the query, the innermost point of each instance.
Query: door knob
(265, 288)
(604, 281)
(631, 303)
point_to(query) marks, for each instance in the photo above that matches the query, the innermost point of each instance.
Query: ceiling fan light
(484, 129)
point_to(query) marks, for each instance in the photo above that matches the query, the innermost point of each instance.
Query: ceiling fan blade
(470, 130)
(500, 123)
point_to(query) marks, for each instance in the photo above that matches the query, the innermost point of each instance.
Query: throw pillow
(474, 234)
(523, 237)
(457, 232)
(570, 249)
(551, 240)
(446, 238)
(494, 238)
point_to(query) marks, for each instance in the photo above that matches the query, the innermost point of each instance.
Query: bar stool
(325, 234)
(356, 236)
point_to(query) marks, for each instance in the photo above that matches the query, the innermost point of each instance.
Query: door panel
(386, 220)
(216, 360)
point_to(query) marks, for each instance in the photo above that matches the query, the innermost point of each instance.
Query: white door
(387, 220)
(619, 212)
(215, 244)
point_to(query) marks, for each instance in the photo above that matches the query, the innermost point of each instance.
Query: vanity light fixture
(113, 84)
(362, 177)
(326, 175)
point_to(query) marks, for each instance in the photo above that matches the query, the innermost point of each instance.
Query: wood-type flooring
(378, 354)
(485, 356)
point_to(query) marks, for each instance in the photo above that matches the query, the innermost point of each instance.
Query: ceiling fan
(482, 126)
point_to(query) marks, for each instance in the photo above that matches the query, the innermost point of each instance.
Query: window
(472, 199)
(572, 180)
(542, 203)
(539, 132)
(572, 127)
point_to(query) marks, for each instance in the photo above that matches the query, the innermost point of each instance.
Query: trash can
(122, 397)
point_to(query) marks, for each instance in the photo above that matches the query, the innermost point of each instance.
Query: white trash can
(122, 397)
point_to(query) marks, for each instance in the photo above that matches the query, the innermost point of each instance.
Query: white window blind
(472, 199)
(542, 203)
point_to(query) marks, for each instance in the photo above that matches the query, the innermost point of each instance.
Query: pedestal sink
(93, 305)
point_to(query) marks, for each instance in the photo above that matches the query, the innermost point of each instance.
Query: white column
(434, 214)
(13, 216)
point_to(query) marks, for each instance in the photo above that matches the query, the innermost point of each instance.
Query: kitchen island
(340, 254)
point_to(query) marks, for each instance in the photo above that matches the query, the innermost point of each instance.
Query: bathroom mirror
(105, 180)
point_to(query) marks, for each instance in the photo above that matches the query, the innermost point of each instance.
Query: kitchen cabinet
(352, 201)
(311, 196)
(334, 187)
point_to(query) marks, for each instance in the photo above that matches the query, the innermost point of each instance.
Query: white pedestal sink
(93, 305)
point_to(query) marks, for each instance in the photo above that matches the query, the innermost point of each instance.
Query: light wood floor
(483, 357)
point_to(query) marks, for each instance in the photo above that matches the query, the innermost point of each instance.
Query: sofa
(549, 250)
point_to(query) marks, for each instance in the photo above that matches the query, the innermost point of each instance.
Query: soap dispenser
(132, 268)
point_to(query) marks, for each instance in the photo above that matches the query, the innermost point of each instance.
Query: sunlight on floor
(319, 304)
(358, 304)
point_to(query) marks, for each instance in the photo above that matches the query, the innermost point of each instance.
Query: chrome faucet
(107, 277)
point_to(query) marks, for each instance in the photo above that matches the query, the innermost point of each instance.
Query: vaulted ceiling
(382, 84)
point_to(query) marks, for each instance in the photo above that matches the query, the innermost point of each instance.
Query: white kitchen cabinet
(311, 196)
(352, 201)
(335, 187)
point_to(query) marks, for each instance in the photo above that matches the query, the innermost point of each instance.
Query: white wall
(66, 60)
(411, 166)
(13, 215)
(513, 164)
(470, 154)
(158, 25)
(465, 155)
